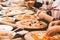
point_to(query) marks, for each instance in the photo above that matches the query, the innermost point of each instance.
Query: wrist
(47, 17)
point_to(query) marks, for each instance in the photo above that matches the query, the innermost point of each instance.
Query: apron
(56, 10)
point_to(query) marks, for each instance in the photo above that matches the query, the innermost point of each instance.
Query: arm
(45, 16)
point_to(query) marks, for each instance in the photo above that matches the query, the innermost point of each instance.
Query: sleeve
(38, 5)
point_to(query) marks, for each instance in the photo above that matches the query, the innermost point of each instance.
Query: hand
(41, 15)
(51, 31)
(54, 23)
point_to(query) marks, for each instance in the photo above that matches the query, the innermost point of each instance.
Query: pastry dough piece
(7, 11)
(29, 25)
(36, 37)
(29, 12)
(12, 12)
(18, 17)
(27, 17)
(39, 24)
(34, 17)
(39, 35)
(6, 33)
(8, 19)
(17, 7)
(23, 24)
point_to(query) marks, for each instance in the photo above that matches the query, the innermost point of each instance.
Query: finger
(38, 12)
(51, 24)
(54, 23)
(58, 23)
(52, 31)
(47, 32)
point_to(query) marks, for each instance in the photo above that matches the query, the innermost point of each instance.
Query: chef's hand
(54, 23)
(51, 31)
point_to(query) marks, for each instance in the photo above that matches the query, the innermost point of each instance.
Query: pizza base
(8, 19)
(31, 27)
(29, 37)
